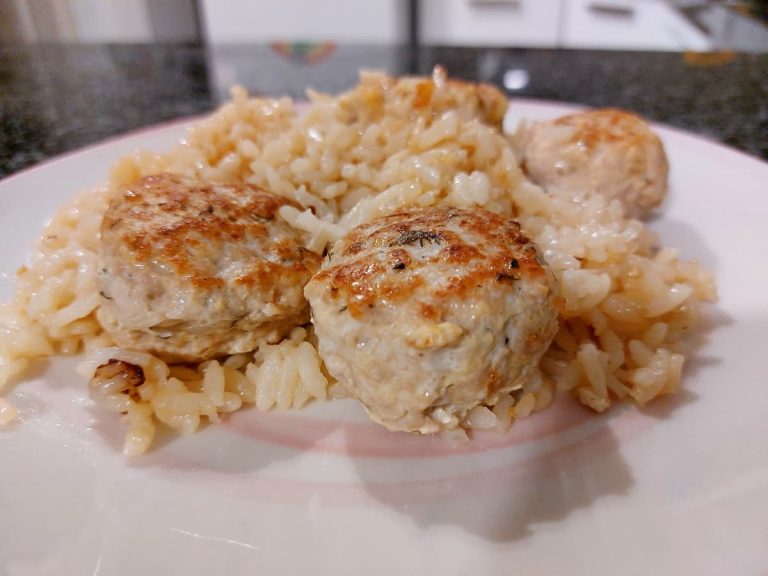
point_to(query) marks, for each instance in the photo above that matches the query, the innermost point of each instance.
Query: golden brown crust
(471, 247)
(191, 269)
(609, 152)
(428, 312)
(179, 222)
(607, 125)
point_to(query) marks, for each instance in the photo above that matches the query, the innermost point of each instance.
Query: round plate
(678, 488)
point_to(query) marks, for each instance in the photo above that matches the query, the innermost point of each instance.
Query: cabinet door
(490, 22)
(360, 21)
(629, 25)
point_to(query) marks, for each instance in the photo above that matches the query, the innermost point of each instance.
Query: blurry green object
(304, 52)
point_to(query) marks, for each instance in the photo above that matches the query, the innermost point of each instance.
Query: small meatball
(427, 313)
(191, 270)
(482, 101)
(410, 97)
(609, 152)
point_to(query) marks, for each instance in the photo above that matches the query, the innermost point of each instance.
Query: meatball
(609, 152)
(484, 102)
(412, 97)
(191, 270)
(427, 313)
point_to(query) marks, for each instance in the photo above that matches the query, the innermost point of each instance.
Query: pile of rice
(347, 160)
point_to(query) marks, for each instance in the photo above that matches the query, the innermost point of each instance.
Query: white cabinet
(606, 24)
(354, 21)
(97, 21)
(601, 24)
(628, 25)
(490, 22)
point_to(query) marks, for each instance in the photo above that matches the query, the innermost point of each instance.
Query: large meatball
(426, 313)
(609, 152)
(191, 270)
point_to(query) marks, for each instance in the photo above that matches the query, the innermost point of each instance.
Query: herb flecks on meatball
(191, 270)
(429, 312)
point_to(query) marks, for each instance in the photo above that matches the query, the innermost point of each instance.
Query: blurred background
(664, 25)
(75, 71)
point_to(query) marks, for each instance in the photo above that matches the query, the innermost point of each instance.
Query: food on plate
(608, 152)
(389, 149)
(426, 313)
(191, 270)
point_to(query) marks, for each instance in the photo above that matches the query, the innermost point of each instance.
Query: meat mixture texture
(609, 152)
(191, 270)
(429, 312)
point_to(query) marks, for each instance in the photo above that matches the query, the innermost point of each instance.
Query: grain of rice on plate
(386, 144)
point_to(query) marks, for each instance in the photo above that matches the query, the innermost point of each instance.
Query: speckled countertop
(59, 98)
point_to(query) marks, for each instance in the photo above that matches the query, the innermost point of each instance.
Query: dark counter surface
(59, 98)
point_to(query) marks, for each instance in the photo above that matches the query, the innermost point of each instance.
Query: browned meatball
(191, 270)
(429, 312)
(608, 152)
(433, 96)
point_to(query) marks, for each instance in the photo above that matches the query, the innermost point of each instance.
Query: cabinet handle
(513, 4)
(617, 10)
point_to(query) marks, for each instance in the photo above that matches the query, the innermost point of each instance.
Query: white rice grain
(8, 412)
(213, 383)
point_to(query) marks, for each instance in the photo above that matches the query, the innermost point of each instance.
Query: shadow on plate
(38, 368)
(28, 406)
(544, 480)
(579, 465)
(682, 235)
(243, 443)
(712, 319)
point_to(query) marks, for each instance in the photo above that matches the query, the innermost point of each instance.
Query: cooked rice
(346, 160)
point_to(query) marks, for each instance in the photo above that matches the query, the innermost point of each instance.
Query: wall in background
(95, 21)
(608, 24)
(668, 25)
(629, 24)
(175, 20)
(113, 21)
(490, 23)
(362, 21)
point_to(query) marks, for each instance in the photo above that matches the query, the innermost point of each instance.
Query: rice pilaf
(387, 144)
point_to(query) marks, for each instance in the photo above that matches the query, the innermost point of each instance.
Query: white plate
(680, 488)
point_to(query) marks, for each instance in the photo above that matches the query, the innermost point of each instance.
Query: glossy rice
(386, 144)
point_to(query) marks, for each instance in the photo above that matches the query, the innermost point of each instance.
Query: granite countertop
(58, 98)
